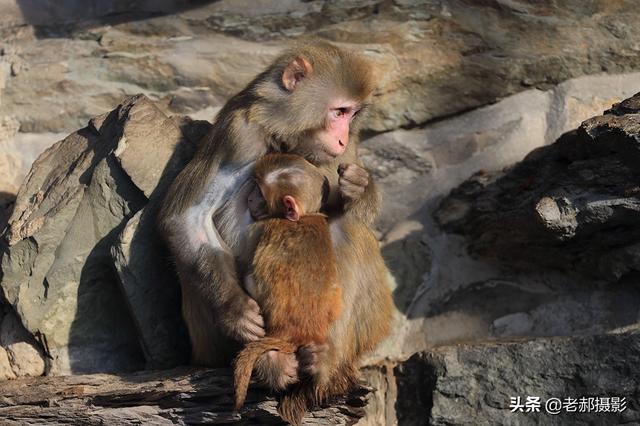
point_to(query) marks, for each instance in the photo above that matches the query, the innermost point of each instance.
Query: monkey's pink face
(334, 138)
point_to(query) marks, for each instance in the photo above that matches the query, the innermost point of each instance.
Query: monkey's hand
(353, 181)
(245, 323)
(310, 357)
(359, 196)
(257, 204)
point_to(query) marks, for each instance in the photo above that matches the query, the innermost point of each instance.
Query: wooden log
(182, 396)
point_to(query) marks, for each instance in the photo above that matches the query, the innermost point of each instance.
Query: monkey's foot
(277, 370)
(310, 356)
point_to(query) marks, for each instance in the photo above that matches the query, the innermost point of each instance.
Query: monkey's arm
(360, 197)
(205, 263)
(238, 314)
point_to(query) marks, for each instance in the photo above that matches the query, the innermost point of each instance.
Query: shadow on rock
(52, 19)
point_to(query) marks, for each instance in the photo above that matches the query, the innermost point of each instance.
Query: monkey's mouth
(321, 156)
(330, 155)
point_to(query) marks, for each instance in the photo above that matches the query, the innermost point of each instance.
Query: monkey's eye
(339, 112)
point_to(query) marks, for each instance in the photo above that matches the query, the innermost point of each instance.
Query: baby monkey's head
(287, 186)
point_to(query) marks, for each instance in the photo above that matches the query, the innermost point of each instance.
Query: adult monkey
(308, 102)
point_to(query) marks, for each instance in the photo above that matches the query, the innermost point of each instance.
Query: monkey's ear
(295, 72)
(291, 210)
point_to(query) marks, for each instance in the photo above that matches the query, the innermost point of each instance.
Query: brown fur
(261, 118)
(294, 271)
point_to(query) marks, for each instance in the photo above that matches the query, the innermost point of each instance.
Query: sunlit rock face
(510, 199)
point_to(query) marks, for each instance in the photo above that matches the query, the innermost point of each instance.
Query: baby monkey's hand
(256, 203)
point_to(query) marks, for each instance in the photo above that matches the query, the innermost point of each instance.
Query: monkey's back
(296, 279)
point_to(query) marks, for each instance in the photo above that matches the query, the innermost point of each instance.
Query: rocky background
(510, 227)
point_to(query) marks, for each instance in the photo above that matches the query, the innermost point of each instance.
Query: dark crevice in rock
(416, 382)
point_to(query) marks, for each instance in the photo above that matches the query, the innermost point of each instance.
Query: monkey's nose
(340, 143)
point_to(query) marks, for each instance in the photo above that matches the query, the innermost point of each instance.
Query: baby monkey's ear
(291, 209)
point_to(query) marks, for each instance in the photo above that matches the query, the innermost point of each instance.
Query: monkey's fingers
(256, 319)
(282, 369)
(252, 305)
(347, 184)
(350, 191)
(251, 332)
(290, 366)
(354, 174)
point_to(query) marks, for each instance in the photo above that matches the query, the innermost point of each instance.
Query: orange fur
(296, 278)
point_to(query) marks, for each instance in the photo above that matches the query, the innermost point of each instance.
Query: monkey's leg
(209, 347)
(212, 295)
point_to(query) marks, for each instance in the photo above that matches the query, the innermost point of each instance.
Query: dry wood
(180, 396)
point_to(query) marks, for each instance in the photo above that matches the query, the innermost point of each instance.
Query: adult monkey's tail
(246, 360)
(293, 405)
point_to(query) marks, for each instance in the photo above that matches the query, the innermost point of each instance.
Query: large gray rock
(474, 384)
(152, 153)
(70, 215)
(447, 294)
(435, 58)
(571, 203)
(16, 13)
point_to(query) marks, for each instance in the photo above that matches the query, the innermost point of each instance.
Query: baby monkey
(294, 270)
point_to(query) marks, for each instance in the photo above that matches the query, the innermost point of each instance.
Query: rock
(15, 13)
(544, 236)
(152, 294)
(574, 202)
(24, 356)
(9, 161)
(474, 384)
(447, 294)
(71, 213)
(518, 324)
(6, 372)
(407, 256)
(17, 153)
(380, 409)
(152, 155)
(442, 155)
(435, 58)
(444, 52)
